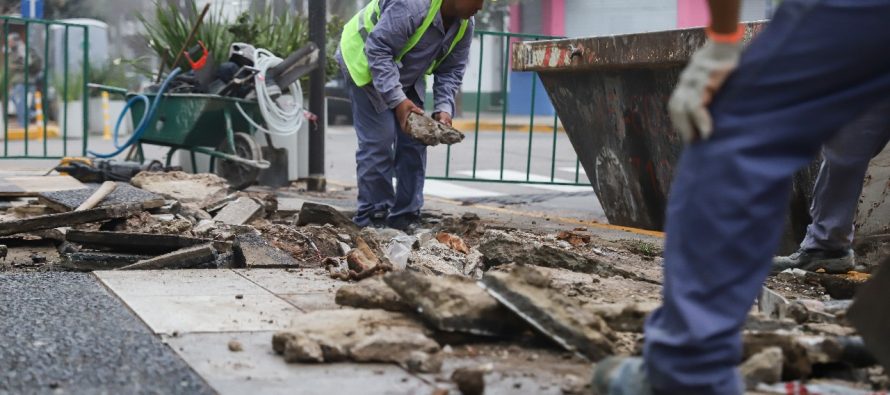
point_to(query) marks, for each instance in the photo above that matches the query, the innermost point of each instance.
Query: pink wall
(553, 17)
(515, 18)
(692, 13)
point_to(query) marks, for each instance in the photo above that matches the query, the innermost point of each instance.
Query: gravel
(64, 333)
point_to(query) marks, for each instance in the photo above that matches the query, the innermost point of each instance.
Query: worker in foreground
(828, 244)
(385, 53)
(752, 120)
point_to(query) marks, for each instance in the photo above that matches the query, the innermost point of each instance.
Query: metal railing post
(86, 93)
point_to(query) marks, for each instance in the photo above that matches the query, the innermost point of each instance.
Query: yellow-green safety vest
(352, 41)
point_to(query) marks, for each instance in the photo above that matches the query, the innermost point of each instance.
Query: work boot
(836, 262)
(409, 224)
(621, 376)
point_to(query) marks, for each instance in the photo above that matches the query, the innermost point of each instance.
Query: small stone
(235, 346)
(763, 367)
(239, 296)
(469, 381)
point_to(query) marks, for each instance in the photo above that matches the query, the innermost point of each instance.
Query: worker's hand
(443, 117)
(403, 109)
(704, 75)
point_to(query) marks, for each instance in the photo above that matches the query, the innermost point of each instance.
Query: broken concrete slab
(252, 250)
(137, 243)
(358, 335)
(320, 214)
(68, 219)
(371, 293)
(526, 291)
(180, 259)
(63, 201)
(454, 304)
(764, 367)
(202, 189)
(431, 132)
(94, 260)
(240, 212)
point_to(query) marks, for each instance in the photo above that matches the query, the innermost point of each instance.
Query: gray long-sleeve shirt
(399, 19)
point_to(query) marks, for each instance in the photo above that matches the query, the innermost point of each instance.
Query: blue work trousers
(836, 194)
(384, 151)
(819, 65)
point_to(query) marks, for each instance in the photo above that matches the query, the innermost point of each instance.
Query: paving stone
(124, 193)
(144, 243)
(292, 281)
(239, 212)
(252, 250)
(64, 333)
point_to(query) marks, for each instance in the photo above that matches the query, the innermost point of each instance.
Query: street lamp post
(317, 34)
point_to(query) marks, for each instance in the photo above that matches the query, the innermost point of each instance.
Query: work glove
(701, 79)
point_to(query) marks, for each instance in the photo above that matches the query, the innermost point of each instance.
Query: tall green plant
(170, 28)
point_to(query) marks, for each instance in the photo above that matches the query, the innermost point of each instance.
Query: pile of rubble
(458, 285)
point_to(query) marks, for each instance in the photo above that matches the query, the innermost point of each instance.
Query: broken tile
(320, 214)
(138, 243)
(252, 250)
(124, 193)
(240, 212)
(185, 258)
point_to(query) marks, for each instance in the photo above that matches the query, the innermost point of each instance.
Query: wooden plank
(22, 186)
(63, 201)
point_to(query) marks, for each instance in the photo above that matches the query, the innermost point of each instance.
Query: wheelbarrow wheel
(239, 175)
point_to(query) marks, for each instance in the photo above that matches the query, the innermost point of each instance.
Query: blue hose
(143, 124)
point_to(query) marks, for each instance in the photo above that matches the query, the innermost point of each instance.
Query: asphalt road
(63, 333)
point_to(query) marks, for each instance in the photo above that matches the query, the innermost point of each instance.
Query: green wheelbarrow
(208, 124)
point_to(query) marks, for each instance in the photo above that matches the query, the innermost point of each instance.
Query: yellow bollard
(106, 117)
(38, 113)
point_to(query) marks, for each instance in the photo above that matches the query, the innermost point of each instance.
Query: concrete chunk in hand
(431, 132)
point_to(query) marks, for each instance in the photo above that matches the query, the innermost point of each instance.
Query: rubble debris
(453, 304)
(525, 291)
(576, 238)
(360, 336)
(235, 346)
(801, 352)
(469, 217)
(137, 243)
(838, 286)
(240, 212)
(431, 132)
(251, 250)
(453, 242)
(180, 259)
(501, 248)
(38, 258)
(320, 214)
(628, 317)
(202, 189)
(4, 250)
(470, 381)
(362, 263)
(371, 293)
(194, 212)
(68, 219)
(869, 314)
(763, 367)
(399, 250)
(94, 260)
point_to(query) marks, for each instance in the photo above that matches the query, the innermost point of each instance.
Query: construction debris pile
(459, 289)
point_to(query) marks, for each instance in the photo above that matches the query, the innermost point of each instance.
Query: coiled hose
(149, 113)
(280, 121)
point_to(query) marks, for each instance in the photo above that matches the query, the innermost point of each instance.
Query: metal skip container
(611, 95)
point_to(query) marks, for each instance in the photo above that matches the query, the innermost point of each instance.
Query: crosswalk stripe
(451, 190)
(513, 175)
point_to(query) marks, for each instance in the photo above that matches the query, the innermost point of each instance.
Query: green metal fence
(531, 164)
(35, 38)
